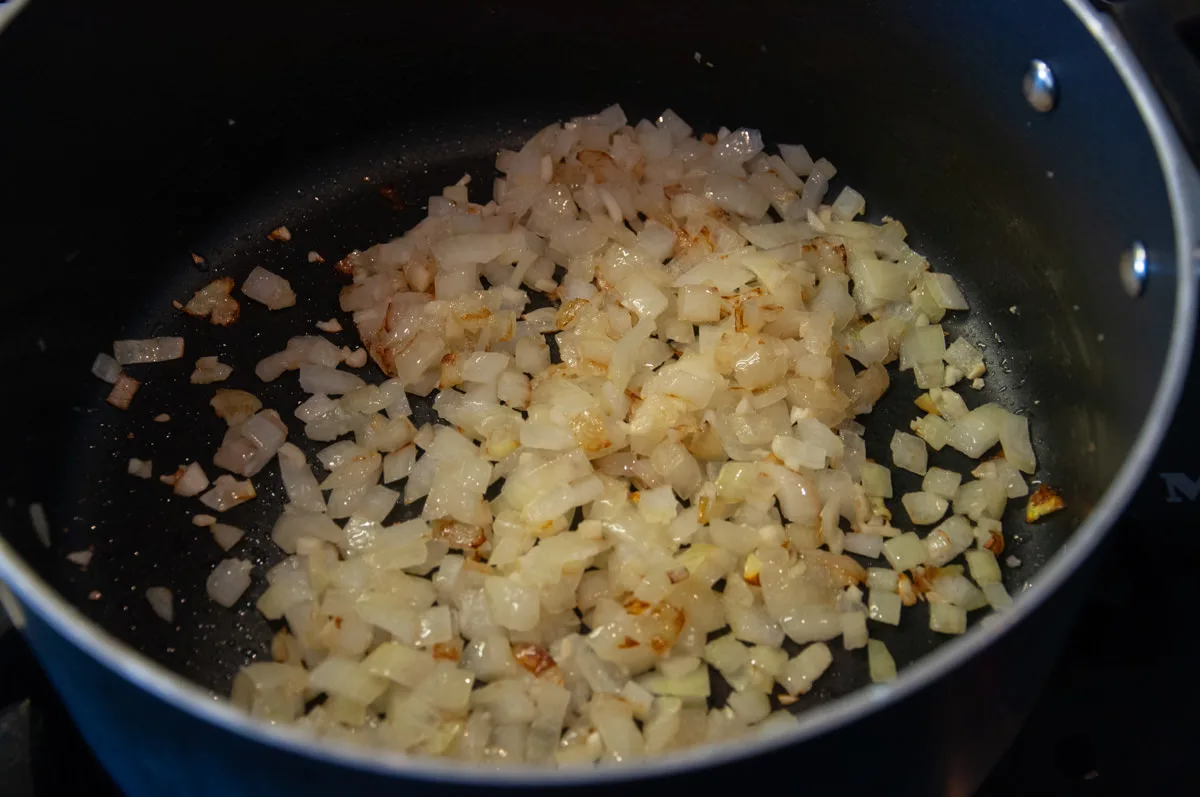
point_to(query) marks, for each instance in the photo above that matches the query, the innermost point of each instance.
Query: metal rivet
(1041, 90)
(1134, 269)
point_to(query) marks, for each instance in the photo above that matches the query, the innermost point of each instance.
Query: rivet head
(1040, 87)
(1134, 269)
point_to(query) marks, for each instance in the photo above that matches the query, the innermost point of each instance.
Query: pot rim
(1183, 188)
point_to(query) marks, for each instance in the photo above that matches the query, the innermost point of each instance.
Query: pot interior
(158, 144)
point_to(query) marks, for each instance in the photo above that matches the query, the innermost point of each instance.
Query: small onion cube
(876, 480)
(933, 429)
(106, 368)
(868, 545)
(849, 203)
(349, 679)
(924, 508)
(150, 350)
(883, 606)
(880, 662)
(941, 482)
(1014, 439)
(121, 396)
(797, 454)
(966, 358)
(269, 288)
(192, 482)
(228, 580)
(225, 535)
(883, 578)
(161, 600)
(978, 430)
(946, 618)
(909, 453)
(234, 406)
(327, 380)
(854, 630)
(41, 524)
(905, 551)
(984, 567)
(805, 668)
(982, 498)
(797, 159)
(957, 589)
(997, 596)
(944, 290)
(209, 370)
(227, 492)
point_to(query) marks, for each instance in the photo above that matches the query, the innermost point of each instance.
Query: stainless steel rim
(1184, 192)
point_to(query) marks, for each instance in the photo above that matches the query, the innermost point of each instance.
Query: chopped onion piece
(941, 482)
(997, 596)
(946, 618)
(162, 601)
(41, 525)
(225, 535)
(151, 350)
(301, 485)
(142, 468)
(214, 302)
(209, 370)
(328, 381)
(809, 665)
(106, 368)
(905, 551)
(234, 406)
(249, 446)
(193, 481)
(227, 492)
(909, 453)
(883, 606)
(876, 480)
(123, 392)
(1014, 439)
(984, 567)
(924, 508)
(880, 662)
(269, 288)
(228, 580)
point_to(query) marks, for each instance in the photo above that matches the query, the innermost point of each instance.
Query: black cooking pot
(136, 135)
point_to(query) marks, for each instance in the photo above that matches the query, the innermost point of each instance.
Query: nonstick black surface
(949, 153)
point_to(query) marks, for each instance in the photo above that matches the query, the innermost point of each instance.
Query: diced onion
(209, 370)
(41, 525)
(924, 508)
(227, 492)
(269, 288)
(880, 662)
(162, 601)
(192, 482)
(225, 535)
(717, 327)
(946, 618)
(228, 580)
(909, 453)
(151, 350)
(106, 368)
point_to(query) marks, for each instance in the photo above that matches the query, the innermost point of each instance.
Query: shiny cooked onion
(648, 352)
